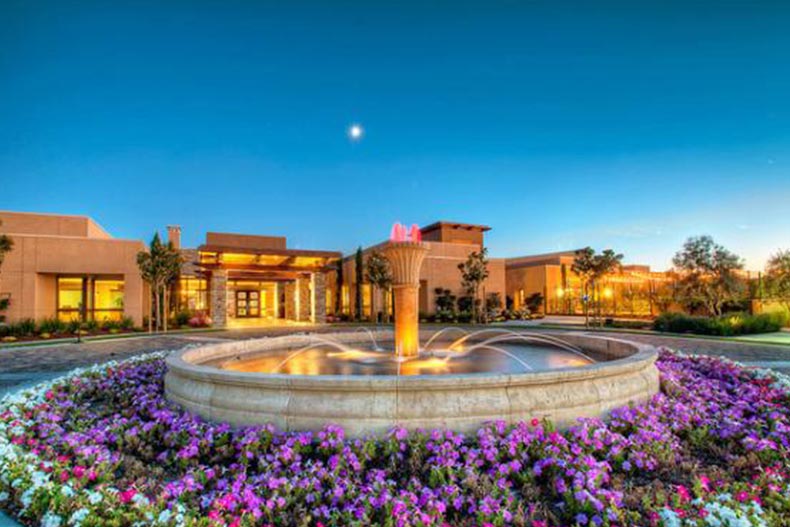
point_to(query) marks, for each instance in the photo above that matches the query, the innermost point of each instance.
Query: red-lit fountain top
(400, 233)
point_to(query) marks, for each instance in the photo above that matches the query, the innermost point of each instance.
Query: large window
(90, 298)
(107, 299)
(71, 298)
(192, 294)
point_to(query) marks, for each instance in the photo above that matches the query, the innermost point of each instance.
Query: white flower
(4, 496)
(78, 517)
(164, 516)
(51, 519)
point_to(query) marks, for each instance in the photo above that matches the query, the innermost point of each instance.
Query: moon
(355, 132)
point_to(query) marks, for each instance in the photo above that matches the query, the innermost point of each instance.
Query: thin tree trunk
(166, 307)
(150, 314)
(586, 300)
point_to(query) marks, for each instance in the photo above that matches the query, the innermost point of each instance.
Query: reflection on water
(363, 360)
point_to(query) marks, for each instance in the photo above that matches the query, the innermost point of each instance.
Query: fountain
(406, 255)
(370, 380)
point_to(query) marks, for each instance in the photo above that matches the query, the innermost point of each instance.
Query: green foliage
(534, 302)
(726, 325)
(474, 271)
(591, 268)
(777, 273)
(126, 323)
(52, 326)
(708, 275)
(379, 275)
(159, 267)
(359, 270)
(445, 301)
(182, 317)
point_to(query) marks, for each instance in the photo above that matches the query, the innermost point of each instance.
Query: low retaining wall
(373, 404)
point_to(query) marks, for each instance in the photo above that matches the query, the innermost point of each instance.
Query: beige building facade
(449, 244)
(69, 267)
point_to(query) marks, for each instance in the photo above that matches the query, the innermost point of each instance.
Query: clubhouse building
(69, 267)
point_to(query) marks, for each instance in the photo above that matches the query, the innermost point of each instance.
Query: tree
(708, 275)
(379, 275)
(777, 273)
(159, 266)
(591, 268)
(359, 269)
(474, 271)
(584, 267)
(606, 263)
(339, 291)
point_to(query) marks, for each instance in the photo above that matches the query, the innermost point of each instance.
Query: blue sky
(625, 125)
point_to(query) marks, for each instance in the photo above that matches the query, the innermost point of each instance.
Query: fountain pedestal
(405, 258)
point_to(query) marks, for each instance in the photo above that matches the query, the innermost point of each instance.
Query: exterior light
(560, 292)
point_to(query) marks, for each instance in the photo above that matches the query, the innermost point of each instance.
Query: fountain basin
(364, 404)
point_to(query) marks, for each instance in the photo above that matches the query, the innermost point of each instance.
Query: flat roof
(455, 225)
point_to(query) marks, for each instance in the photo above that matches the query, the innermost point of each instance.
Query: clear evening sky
(627, 125)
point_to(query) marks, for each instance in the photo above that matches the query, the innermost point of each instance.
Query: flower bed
(102, 447)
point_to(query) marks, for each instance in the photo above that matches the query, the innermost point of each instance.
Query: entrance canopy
(276, 262)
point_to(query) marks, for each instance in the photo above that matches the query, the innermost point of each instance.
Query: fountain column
(405, 258)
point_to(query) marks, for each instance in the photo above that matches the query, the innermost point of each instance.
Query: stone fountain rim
(644, 355)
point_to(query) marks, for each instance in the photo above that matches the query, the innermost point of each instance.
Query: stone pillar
(319, 298)
(290, 300)
(406, 260)
(219, 297)
(304, 304)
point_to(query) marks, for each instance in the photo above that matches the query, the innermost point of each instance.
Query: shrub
(199, 320)
(725, 325)
(24, 328)
(51, 325)
(90, 325)
(72, 326)
(127, 323)
(111, 325)
(183, 317)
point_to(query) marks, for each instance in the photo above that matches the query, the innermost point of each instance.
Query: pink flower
(127, 495)
(64, 476)
(535, 421)
(78, 471)
(704, 482)
(684, 494)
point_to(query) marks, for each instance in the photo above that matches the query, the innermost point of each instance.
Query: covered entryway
(263, 285)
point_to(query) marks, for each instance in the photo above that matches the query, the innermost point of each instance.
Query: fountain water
(368, 383)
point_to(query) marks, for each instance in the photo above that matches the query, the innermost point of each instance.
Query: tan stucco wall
(439, 269)
(29, 271)
(51, 225)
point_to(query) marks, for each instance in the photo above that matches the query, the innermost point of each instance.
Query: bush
(72, 326)
(24, 328)
(53, 326)
(199, 320)
(182, 318)
(127, 323)
(111, 325)
(726, 325)
(90, 325)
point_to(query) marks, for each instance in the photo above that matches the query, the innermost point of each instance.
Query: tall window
(107, 299)
(192, 294)
(71, 298)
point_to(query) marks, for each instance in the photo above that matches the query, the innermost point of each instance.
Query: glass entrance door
(248, 303)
